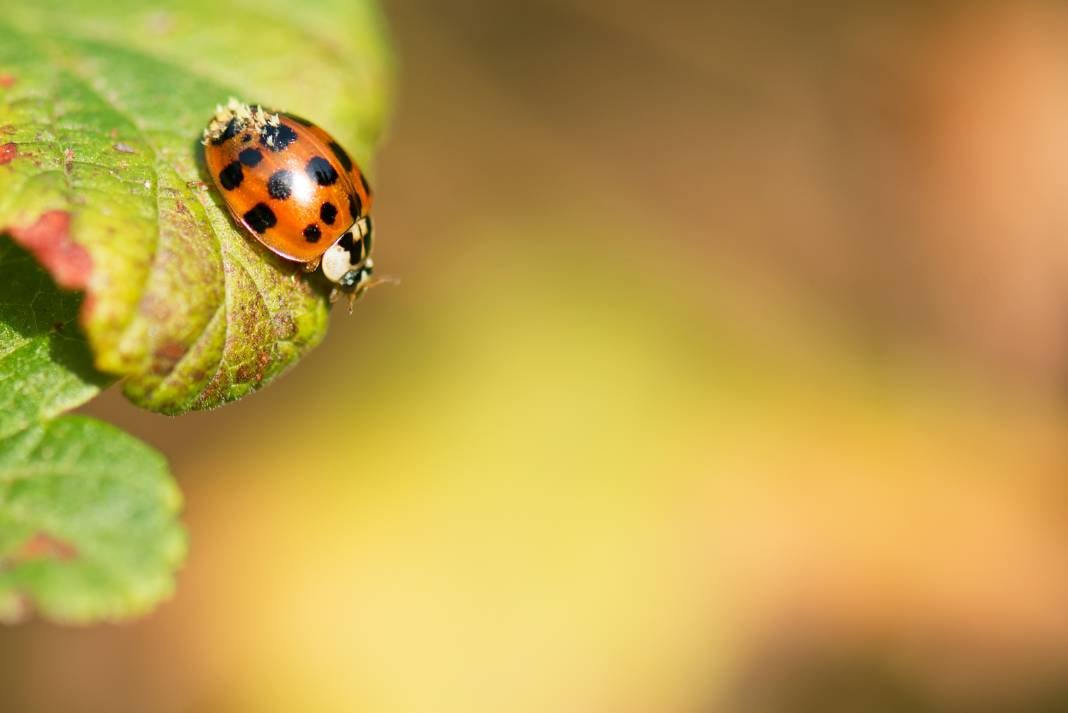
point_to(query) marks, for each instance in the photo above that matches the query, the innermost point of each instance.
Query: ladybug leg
(199, 185)
(358, 292)
(335, 293)
(306, 269)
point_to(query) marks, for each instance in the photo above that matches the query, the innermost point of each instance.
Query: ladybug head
(358, 280)
(344, 261)
(348, 264)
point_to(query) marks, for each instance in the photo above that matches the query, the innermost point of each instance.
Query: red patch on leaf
(8, 152)
(42, 546)
(7, 81)
(50, 242)
(168, 355)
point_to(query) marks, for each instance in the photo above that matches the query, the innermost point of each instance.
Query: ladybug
(296, 190)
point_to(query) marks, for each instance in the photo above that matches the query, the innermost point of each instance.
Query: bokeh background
(727, 374)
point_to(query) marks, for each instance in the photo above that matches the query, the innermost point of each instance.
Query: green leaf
(88, 515)
(101, 110)
(88, 525)
(45, 364)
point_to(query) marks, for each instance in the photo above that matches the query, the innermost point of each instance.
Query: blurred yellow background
(727, 374)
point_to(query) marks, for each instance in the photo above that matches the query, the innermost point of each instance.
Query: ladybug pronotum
(293, 187)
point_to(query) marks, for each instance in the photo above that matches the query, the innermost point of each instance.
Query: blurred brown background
(727, 375)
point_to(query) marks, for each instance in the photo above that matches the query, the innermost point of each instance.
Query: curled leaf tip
(105, 184)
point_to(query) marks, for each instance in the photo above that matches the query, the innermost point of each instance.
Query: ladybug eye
(351, 279)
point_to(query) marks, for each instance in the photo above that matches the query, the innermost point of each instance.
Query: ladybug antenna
(375, 282)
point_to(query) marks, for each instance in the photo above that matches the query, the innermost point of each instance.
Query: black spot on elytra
(280, 185)
(231, 176)
(277, 138)
(312, 233)
(328, 213)
(342, 156)
(246, 138)
(355, 206)
(228, 133)
(321, 170)
(250, 157)
(260, 218)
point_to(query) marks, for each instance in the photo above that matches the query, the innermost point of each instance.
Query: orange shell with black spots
(289, 183)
